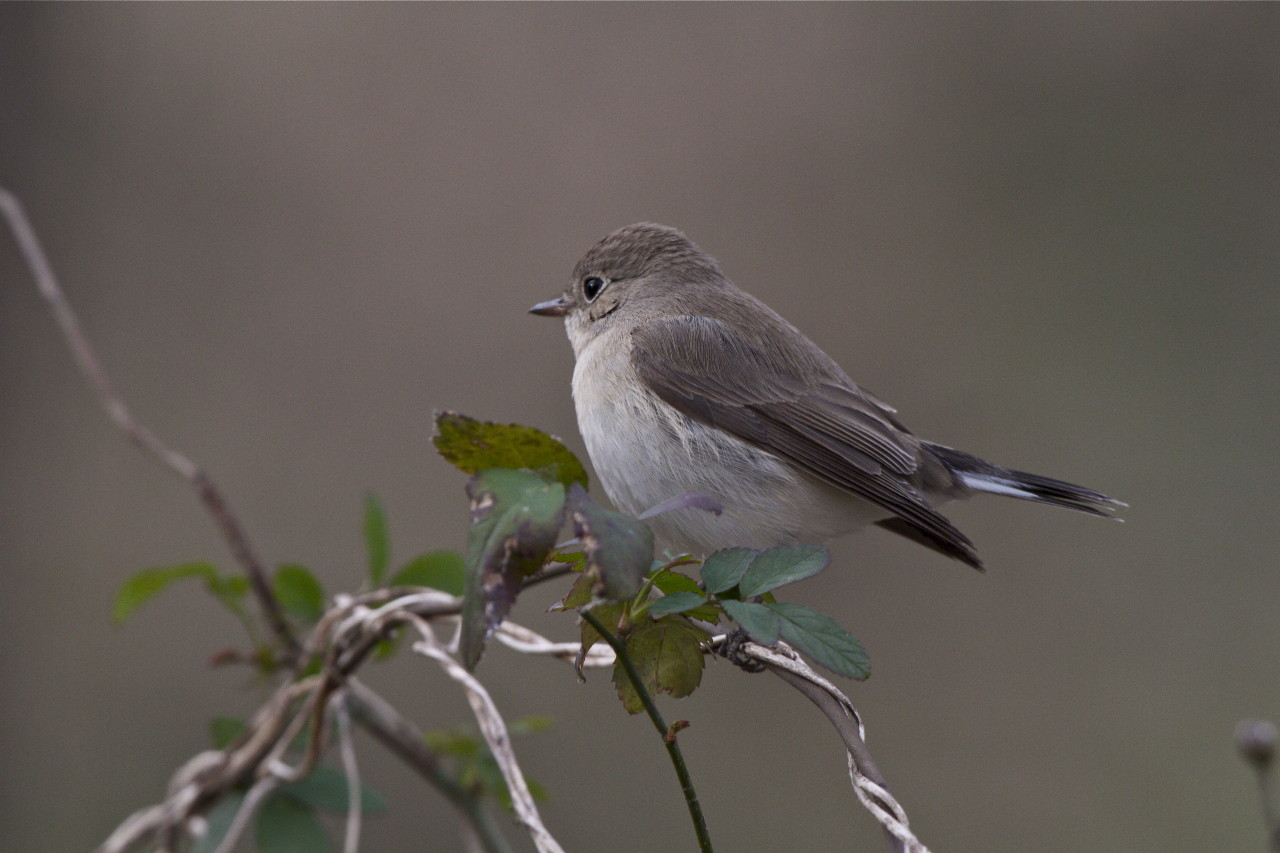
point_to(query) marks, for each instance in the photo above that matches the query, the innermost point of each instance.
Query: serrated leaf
(298, 591)
(285, 825)
(777, 566)
(326, 789)
(442, 570)
(723, 569)
(758, 621)
(669, 581)
(579, 593)
(822, 638)
(474, 446)
(609, 613)
(618, 548)
(667, 654)
(377, 543)
(145, 585)
(515, 519)
(676, 602)
(223, 730)
(218, 822)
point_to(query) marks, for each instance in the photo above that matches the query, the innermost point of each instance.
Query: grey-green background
(1047, 233)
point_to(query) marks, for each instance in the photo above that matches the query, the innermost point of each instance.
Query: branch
(664, 731)
(868, 782)
(495, 734)
(343, 636)
(521, 639)
(399, 735)
(248, 808)
(87, 360)
(347, 749)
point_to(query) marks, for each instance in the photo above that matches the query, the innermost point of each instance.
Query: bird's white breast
(644, 452)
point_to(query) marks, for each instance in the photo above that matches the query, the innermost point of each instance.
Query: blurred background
(1048, 234)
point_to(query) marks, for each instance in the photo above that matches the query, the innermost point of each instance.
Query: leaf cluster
(659, 613)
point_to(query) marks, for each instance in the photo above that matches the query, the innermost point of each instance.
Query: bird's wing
(797, 404)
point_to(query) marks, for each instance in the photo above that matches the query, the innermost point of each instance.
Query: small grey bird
(683, 382)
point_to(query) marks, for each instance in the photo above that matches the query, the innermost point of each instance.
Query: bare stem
(399, 735)
(94, 371)
(868, 783)
(665, 732)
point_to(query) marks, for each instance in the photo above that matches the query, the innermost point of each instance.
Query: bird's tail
(981, 476)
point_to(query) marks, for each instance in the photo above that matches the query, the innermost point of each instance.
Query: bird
(683, 382)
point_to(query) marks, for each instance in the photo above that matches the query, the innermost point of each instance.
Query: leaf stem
(666, 733)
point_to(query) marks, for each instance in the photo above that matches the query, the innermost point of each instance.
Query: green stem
(664, 732)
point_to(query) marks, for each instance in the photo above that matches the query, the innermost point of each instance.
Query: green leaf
(473, 446)
(677, 602)
(822, 638)
(531, 724)
(723, 569)
(609, 614)
(229, 589)
(777, 566)
(619, 548)
(668, 582)
(455, 742)
(515, 519)
(756, 619)
(579, 593)
(667, 654)
(223, 730)
(147, 584)
(537, 790)
(376, 541)
(298, 591)
(442, 570)
(325, 788)
(285, 825)
(219, 818)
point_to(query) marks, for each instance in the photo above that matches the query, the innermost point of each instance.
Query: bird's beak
(557, 307)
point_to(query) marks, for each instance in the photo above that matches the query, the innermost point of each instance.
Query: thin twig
(664, 732)
(495, 734)
(347, 750)
(92, 368)
(248, 806)
(521, 639)
(868, 782)
(399, 735)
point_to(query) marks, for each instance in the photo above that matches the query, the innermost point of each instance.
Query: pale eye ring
(592, 286)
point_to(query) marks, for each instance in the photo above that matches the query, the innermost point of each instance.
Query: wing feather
(798, 405)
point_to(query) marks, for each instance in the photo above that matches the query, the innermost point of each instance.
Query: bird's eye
(591, 287)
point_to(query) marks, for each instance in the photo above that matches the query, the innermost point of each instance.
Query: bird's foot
(731, 650)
